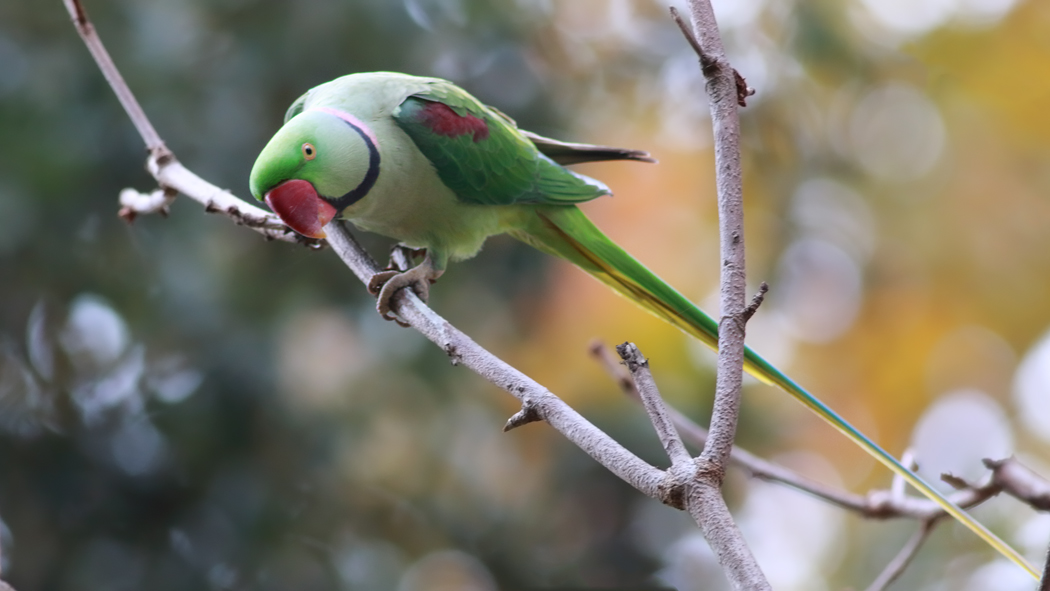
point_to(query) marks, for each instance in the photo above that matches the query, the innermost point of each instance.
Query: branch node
(710, 471)
(632, 356)
(674, 487)
(527, 414)
(711, 65)
(161, 155)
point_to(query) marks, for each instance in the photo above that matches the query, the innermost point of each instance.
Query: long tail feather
(566, 232)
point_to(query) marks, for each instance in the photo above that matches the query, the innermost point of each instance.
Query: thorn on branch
(742, 89)
(527, 414)
(756, 301)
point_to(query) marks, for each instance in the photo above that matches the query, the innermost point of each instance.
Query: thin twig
(638, 365)
(898, 485)
(903, 558)
(706, 61)
(170, 175)
(94, 44)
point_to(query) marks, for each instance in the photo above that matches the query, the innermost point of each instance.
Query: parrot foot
(386, 283)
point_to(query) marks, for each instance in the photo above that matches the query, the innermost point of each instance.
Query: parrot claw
(386, 283)
(375, 284)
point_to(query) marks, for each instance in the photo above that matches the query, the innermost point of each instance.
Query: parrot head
(319, 163)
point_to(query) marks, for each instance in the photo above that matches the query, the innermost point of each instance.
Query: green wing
(482, 156)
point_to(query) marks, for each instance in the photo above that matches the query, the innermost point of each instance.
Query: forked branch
(537, 401)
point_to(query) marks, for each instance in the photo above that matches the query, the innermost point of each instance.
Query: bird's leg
(386, 283)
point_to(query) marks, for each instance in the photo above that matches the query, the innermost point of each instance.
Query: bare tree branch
(721, 88)
(705, 496)
(903, 558)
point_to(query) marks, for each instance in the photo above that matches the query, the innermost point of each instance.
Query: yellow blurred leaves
(1004, 68)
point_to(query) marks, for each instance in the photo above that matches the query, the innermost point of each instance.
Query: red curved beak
(298, 205)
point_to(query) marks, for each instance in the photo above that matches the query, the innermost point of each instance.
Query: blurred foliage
(184, 406)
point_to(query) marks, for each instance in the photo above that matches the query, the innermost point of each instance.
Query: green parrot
(422, 161)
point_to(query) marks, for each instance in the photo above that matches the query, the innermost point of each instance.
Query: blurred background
(185, 406)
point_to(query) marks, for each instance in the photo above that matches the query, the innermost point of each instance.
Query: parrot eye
(309, 152)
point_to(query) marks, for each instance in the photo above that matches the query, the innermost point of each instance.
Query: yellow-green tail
(566, 232)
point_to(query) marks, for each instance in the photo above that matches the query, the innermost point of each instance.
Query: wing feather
(482, 156)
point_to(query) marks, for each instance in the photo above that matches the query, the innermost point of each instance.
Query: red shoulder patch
(442, 120)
